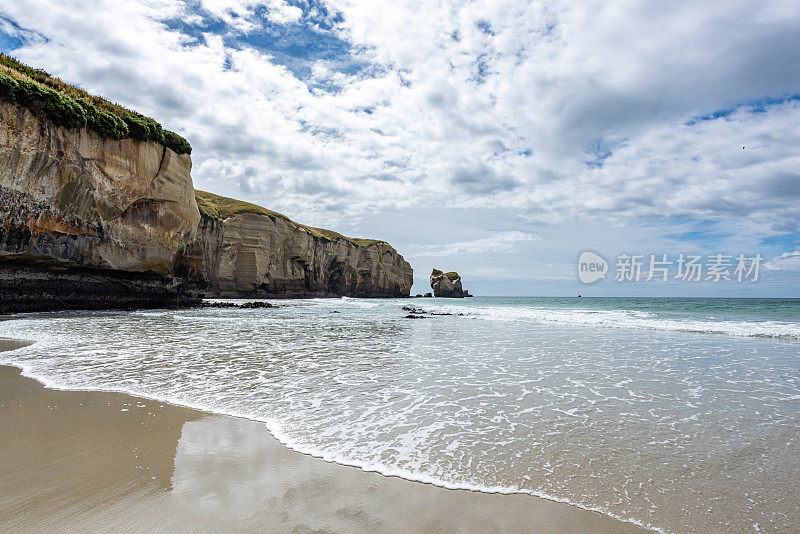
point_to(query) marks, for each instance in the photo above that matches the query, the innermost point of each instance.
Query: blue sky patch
(756, 106)
(485, 27)
(13, 36)
(788, 241)
(597, 152)
(296, 46)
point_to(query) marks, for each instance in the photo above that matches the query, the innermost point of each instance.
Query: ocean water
(682, 415)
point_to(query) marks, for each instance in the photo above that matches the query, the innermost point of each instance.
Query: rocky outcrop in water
(447, 285)
(256, 304)
(250, 251)
(86, 221)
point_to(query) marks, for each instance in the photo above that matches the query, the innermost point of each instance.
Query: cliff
(245, 250)
(447, 285)
(98, 210)
(88, 221)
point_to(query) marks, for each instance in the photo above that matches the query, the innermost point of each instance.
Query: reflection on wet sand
(70, 453)
(92, 462)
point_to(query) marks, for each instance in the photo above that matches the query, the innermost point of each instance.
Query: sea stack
(447, 285)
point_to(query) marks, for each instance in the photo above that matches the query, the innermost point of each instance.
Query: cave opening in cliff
(336, 279)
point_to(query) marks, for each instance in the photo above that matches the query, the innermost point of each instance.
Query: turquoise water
(678, 414)
(713, 309)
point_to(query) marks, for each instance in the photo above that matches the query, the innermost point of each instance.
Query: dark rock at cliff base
(447, 285)
(43, 288)
(427, 295)
(251, 305)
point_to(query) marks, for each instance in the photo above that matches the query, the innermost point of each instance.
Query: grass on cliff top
(217, 207)
(72, 107)
(452, 275)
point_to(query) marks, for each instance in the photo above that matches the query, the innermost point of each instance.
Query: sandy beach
(78, 461)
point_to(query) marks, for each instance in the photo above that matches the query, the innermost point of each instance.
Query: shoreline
(185, 304)
(377, 502)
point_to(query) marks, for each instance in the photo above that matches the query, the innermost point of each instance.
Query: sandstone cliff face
(447, 285)
(251, 254)
(92, 222)
(87, 221)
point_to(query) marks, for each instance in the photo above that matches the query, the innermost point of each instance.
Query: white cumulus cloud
(543, 112)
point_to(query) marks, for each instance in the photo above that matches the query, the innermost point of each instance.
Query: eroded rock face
(256, 255)
(99, 214)
(88, 222)
(447, 284)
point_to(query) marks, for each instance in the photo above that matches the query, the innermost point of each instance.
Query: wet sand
(75, 461)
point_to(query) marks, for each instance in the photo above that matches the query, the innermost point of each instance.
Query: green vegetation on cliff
(216, 207)
(72, 107)
(452, 275)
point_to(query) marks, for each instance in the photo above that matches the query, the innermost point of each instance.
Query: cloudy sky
(497, 138)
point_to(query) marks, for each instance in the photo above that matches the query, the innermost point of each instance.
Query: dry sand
(75, 461)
